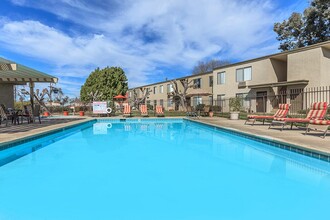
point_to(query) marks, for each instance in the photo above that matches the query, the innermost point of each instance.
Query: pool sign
(100, 107)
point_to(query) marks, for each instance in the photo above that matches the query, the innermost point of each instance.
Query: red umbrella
(119, 97)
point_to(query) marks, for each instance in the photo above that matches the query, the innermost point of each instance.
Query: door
(261, 101)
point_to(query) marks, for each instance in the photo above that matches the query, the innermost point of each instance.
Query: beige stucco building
(159, 93)
(262, 83)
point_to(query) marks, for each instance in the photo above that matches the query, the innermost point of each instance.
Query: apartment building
(257, 81)
(159, 93)
(283, 73)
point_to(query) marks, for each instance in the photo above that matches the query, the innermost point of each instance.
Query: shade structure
(12, 72)
(119, 97)
(197, 92)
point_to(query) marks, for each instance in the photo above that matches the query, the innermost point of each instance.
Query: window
(155, 89)
(197, 83)
(221, 78)
(221, 100)
(210, 81)
(197, 101)
(161, 89)
(155, 102)
(169, 102)
(129, 94)
(169, 88)
(161, 102)
(210, 100)
(244, 100)
(244, 74)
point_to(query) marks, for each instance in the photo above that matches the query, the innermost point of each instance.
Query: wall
(262, 72)
(325, 67)
(7, 95)
(305, 65)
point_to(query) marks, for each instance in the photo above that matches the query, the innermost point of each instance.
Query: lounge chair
(159, 111)
(144, 111)
(316, 124)
(127, 111)
(190, 112)
(317, 112)
(282, 112)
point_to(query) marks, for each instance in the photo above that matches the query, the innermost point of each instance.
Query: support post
(31, 84)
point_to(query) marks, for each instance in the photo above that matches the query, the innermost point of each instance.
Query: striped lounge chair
(316, 124)
(282, 112)
(127, 111)
(317, 112)
(144, 111)
(159, 111)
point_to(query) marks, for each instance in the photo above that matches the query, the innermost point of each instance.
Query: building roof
(279, 56)
(12, 72)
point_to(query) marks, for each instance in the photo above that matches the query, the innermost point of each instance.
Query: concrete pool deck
(13, 133)
(312, 141)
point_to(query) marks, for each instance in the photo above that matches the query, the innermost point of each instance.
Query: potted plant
(81, 111)
(211, 111)
(65, 111)
(235, 105)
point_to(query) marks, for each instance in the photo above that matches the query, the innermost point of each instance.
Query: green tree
(311, 27)
(104, 84)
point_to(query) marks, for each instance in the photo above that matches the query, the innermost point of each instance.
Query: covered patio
(12, 73)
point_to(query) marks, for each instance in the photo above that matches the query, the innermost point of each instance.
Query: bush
(215, 108)
(235, 104)
(200, 107)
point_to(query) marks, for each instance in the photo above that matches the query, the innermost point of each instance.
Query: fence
(300, 100)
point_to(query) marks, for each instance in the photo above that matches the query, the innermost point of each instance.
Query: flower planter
(234, 115)
(81, 113)
(65, 113)
(46, 114)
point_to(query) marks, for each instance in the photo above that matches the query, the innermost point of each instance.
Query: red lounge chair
(144, 111)
(159, 111)
(127, 111)
(280, 113)
(318, 123)
(318, 111)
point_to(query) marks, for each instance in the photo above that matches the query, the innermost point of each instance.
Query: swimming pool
(158, 169)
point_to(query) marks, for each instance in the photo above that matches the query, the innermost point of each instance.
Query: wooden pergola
(18, 74)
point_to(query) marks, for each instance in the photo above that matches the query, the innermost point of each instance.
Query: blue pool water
(159, 170)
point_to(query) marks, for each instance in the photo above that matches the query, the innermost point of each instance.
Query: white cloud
(143, 36)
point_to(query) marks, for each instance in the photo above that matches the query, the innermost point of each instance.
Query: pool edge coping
(282, 144)
(31, 137)
(272, 141)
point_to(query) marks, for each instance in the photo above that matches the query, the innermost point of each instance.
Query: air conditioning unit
(242, 84)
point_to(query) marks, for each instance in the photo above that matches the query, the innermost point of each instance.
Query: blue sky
(150, 39)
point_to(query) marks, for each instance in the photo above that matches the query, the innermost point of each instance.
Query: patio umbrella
(197, 92)
(119, 97)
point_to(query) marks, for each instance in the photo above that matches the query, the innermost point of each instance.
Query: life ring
(109, 110)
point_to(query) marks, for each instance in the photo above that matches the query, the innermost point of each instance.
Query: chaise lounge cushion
(281, 112)
(320, 122)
